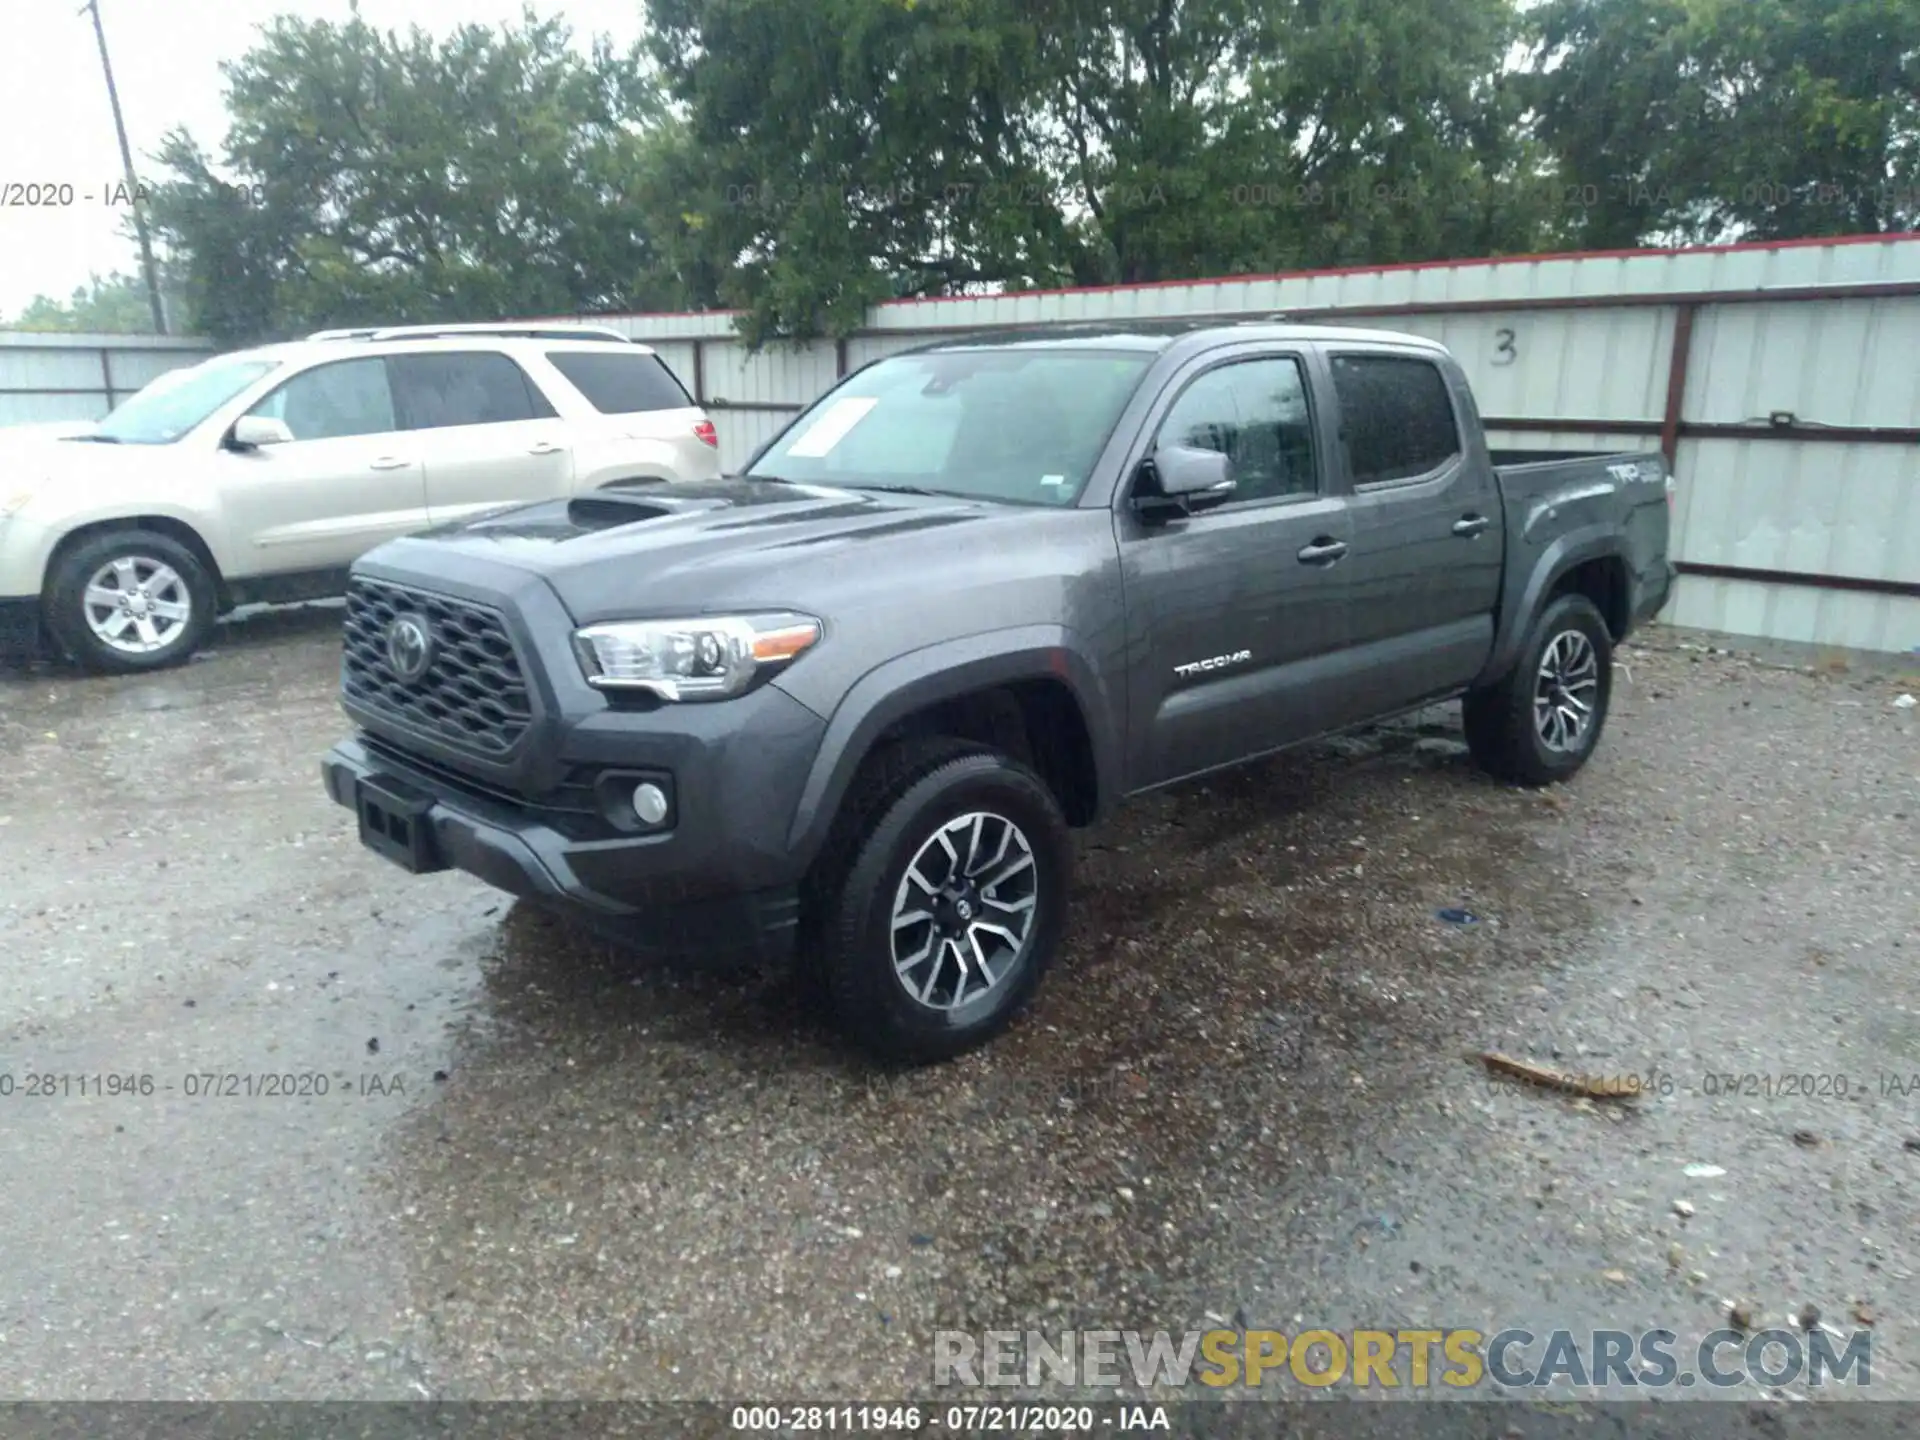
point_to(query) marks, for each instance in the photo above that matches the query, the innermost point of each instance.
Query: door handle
(389, 462)
(1468, 526)
(545, 447)
(1323, 551)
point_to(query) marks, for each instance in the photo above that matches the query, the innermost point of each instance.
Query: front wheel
(1541, 723)
(937, 933)
(129, 600)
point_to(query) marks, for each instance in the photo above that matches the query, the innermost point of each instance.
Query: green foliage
(803, 161)
(371, 177)
(1714, 119)
(861, 149)
(876, 148)
(114, 305)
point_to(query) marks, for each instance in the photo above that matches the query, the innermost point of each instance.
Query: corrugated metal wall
(1784, 380)
(1843, 507)
(45, 379)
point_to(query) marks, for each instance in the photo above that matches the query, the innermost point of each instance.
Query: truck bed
(1565, 477)
(1561, 506)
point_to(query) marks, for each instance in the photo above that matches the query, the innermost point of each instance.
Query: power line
(92, 7)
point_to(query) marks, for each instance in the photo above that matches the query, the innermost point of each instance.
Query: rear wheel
(1540, 724)
(129, 600)
(949, 905)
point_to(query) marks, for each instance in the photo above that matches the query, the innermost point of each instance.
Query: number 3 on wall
(1503, 349)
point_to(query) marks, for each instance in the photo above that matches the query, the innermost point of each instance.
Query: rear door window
(458, 388)
(621, 383)
(1396, 417)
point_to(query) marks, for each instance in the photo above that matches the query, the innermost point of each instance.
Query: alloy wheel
(964, 910)
(1566, 692)
(137, 605)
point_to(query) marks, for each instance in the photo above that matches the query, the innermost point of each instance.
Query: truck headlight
(709, 658)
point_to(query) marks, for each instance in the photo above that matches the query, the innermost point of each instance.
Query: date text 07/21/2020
(1742, 1085)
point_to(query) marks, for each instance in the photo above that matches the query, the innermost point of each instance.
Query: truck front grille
(473, 693)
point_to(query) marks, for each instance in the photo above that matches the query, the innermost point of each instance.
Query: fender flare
(910, 682)
(206, 528)
(1576, 547)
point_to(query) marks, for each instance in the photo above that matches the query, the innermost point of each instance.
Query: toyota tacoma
(849, 703)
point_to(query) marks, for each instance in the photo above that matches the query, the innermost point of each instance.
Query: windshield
(179, 400)
(1018, 425)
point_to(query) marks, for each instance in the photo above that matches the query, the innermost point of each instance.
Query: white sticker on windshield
(832, 426)
(1053, 479)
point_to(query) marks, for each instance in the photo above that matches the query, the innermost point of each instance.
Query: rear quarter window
(621, 384)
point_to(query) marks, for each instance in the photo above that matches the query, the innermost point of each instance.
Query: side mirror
(1179, 479)
(251, 432)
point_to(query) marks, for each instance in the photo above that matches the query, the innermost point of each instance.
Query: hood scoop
(608, 508)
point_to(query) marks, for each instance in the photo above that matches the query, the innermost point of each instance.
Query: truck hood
(735, 542)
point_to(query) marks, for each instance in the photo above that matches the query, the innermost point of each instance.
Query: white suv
(262, 474)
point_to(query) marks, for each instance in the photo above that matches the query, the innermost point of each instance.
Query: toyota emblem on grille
(409, 646)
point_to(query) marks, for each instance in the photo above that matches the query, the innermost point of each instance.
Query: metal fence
(54, 379)
(1782, 381)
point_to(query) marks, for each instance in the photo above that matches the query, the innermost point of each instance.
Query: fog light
(650, 803)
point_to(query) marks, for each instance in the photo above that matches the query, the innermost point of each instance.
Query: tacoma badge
(1218, 662)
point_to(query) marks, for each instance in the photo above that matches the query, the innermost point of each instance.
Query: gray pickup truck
(850, 702)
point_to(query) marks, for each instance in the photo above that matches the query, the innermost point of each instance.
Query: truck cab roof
(1158, 335)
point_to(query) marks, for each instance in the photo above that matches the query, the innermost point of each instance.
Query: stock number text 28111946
(200, 1085)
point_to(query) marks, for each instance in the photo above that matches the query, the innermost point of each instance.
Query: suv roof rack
(560, 331)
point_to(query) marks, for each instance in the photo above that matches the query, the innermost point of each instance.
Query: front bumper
(631, 884)
(544, 816)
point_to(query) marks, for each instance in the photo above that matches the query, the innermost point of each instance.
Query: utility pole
(92, 7)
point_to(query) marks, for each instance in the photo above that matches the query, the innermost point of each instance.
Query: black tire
(898, 804)
(66, 605)
(1501, 728)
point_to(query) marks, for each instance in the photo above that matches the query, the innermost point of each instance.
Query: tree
(868, 149)
(373, 178)
(862, 149)
(1721, 119)
(1266, 135)
(114, 305)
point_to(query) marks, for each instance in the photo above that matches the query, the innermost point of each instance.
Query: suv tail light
(704, 432)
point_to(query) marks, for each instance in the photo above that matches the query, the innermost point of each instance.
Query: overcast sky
(55, 125)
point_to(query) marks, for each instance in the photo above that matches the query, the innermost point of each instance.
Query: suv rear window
(1396, 418)
(619, 384)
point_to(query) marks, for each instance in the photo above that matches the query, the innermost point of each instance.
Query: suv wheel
(951, 902)
(1541, 723)
(129, 600)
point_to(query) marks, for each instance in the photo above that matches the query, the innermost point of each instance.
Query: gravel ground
(542, 1169)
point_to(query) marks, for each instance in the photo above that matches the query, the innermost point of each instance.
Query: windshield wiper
(95, 439)
(899, 489)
